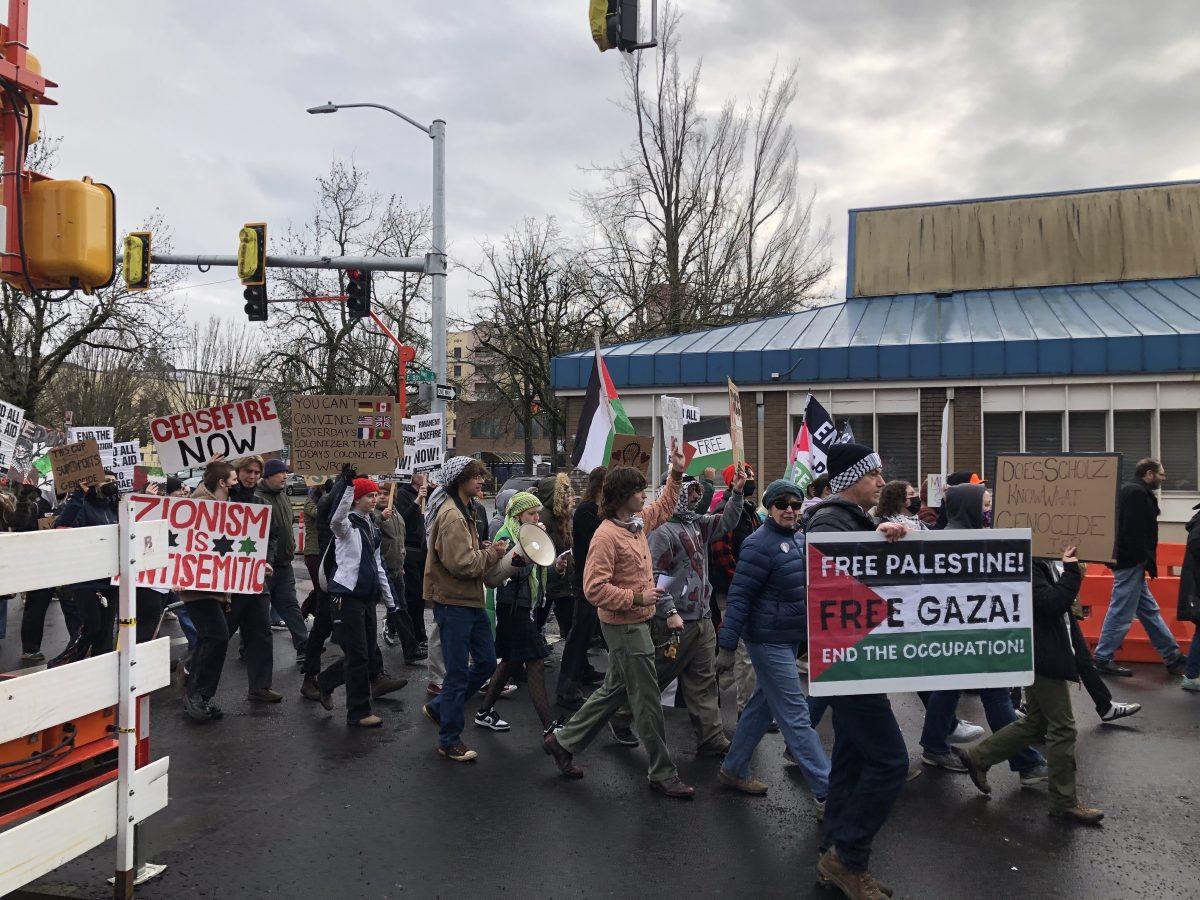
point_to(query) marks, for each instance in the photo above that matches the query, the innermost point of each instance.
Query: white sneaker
(965, 732)
(1120, 711)
(487, 718)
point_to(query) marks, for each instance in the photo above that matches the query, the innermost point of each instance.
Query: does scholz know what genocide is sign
(232, 430)
(944, 609)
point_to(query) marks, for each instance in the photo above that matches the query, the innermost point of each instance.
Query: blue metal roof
(1096, 329)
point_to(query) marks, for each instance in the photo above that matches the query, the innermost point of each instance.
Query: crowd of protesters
(701, 588)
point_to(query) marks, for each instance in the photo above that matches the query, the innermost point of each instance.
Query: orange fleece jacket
(618, 565)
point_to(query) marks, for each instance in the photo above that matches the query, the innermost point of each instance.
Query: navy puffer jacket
(767, 597)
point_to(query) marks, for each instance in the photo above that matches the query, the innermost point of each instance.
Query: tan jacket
(455, 563)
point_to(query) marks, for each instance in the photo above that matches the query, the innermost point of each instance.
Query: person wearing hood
(767, 609)
(558, 504)
(281, 587)
(1048, 718)
(952, 480)
(963, 505)
(496, 522)
(96, 600)
(1189, 601)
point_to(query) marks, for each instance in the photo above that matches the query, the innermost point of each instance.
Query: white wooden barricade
(30, 703)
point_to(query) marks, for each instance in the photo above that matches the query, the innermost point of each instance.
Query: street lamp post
(436, 261)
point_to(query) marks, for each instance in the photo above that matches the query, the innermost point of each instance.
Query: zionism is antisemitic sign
(945, 609)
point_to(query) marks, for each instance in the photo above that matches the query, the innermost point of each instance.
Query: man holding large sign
(231, 430)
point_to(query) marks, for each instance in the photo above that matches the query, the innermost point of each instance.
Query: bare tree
(103, 386)
(215, 363)
(703, 222)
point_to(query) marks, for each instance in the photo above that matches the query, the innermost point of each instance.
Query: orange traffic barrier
(1097, 590)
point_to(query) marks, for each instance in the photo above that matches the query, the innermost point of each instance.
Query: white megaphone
(533, 544)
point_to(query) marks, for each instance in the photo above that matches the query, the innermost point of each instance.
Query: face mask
(914, 505)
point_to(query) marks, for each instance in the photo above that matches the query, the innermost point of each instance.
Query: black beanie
(849, 462)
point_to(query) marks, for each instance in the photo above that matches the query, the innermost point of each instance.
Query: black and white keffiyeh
(847, 477)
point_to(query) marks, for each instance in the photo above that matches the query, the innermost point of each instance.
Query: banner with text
(127, 456)
(189, 439)
(423, 439)
(102, 435)
(213, 545)
(945, 609)
(1064, 499)
(330, 430)
(11, 418)
(74, 463)
(709, 446)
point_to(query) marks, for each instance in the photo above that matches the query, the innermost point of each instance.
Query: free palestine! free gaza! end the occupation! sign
(935, 610)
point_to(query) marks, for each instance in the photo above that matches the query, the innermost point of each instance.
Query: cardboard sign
(935, 490)
(633, 450)
(939, 609)
(330, 430)
(672, 426)
(1064, 499)
(212, 545)
(11, 419)
(736, 433)
(126, 456)
(75, 463)
(102, 435)
(423, 440)
(233, 430)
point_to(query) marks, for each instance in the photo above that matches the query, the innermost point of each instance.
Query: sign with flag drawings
(330, 430)
(938, 610)
(602, 417)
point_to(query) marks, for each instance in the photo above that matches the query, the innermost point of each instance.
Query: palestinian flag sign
(712, 445)
(936, 610)
(603, 416)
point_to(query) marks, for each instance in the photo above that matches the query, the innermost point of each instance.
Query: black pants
(564, 613)
(149, 611)
(322, 628)
(212, 640)
(33, 620)
(355, 620)
(252, 614)
(1093, 683)
(414, 594)
(99, 619)
(584, 623)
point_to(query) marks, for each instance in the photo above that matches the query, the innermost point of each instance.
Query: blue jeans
(281, 588)
(941, 718)
(1192, 670)
(870, 765)
(185, 623)
(470, 655)
(1131, 596)
(778, 694)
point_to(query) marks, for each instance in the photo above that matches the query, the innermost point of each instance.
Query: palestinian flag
(711, 443)
(800, 461)
(937, 610)
(603, 416)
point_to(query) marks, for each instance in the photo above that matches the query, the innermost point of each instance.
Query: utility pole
(438, 292)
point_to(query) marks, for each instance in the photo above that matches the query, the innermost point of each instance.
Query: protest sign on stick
(102, 435)
(11, 419)
(672, 425)
(937, 610)
(126, 456)
(75, 463)
(1065, 499)
(331, 430)
(213, 545)
(232, 430)
(736, 434)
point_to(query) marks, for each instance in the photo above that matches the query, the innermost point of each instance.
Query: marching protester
(282, 586)
(398, 628)
(723, 554)
(410, 503)
(1048, 717)
(1136, 554)
(356, 580)
(518, 641)
(454, 571)
(211, 615)
(558, 505)
(766, 609)
(1189, 601)
(317, 604)
(870, 762)
(619, 581)
(575, 672)
(685, 641)
(899, 502)
(311, 547)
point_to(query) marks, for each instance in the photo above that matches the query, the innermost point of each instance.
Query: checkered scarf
(451, 469)
(840, 482)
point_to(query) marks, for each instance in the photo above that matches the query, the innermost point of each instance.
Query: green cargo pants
(1049, 717)
(631, 676)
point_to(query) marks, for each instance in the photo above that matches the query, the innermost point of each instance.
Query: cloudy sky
(197, 108)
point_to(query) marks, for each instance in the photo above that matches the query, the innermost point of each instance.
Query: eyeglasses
(785, 504)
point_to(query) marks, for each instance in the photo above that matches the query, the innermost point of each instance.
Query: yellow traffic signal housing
(70, 234)
(136, 266)
(252, 253)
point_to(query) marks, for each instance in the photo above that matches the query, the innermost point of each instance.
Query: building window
(1001, 435)
(458, 371)
(1131, 438)
(1177, 443)
(897, 446)
(1043, 432)
(862, 427)
(1088, 432)
(486, 427)
(458, 352)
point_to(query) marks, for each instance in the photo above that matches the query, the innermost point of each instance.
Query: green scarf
(521, 502)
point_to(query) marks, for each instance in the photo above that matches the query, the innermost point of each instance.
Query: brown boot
(977, 772)
(264, 695)
(856, 885)
(386, 684)
(562, 756)
(1080, 814)
(309, 689)
(371, 721)
(674, 788)
(751, 786)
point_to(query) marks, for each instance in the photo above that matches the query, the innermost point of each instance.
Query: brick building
(1051, 323)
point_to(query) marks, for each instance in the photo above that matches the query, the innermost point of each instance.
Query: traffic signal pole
(420, 264)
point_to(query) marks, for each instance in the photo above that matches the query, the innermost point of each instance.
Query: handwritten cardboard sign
(632, 450)
(75, 463)
(244, 428)
(330, 430)
(736, 433)
(935, 490)
(212, 545)
(1064, 499)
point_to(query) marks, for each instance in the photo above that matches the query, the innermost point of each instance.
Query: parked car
(296, 486)
(521, 483)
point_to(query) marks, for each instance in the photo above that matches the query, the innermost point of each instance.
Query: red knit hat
(730, 471)
(362, 487)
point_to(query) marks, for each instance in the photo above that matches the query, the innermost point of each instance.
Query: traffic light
(70, 235)
(252, 269)
(136, 265)
(614, 24)
(358, 292)
(256, 302)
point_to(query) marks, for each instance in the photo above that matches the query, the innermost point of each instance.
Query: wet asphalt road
(286, 801)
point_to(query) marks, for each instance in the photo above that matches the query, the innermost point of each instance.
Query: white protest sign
(11, 417)
(127, 456)
(691, 414)
(935, 490)
(102, 435)
(671, 409)
(422, 444)
(190, 439)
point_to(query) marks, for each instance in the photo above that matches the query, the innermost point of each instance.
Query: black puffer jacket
(839, 514)
(1053, 652)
